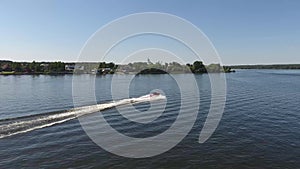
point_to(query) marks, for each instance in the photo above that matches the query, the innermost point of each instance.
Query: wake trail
(9, 127)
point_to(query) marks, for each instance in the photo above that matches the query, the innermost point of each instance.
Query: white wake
(25, 124)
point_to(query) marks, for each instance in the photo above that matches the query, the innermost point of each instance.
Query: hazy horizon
(146, 61)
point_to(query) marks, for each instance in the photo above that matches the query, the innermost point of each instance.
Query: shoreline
(117, 73)
(38, 73)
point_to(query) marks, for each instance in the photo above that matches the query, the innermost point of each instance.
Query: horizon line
(233, 64)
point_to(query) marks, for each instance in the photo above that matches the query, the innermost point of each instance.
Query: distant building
(69, 67)
(75, 67)
(95, 71)
(44, 65)
(105, 70)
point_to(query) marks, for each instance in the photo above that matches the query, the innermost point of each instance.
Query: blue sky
(243, 31)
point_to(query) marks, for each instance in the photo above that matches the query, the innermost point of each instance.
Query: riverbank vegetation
(19, 68)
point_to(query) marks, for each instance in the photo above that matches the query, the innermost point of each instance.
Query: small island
(102, 68)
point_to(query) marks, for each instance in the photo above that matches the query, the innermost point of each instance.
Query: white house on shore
(69, 67)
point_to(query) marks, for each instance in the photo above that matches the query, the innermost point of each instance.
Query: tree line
(173, 67)
(32, 67)
(58, 67)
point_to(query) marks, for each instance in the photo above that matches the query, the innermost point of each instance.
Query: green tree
(111, 65)
(17, 67)
(198, 67)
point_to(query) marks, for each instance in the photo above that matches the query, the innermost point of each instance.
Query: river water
(260, 127)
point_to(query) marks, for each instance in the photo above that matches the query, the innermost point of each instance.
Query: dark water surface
(260, 127)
